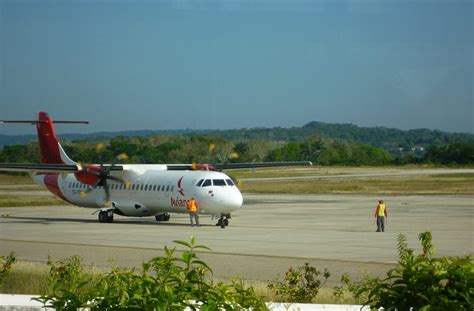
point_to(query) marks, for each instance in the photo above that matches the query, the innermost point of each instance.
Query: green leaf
(184, 243)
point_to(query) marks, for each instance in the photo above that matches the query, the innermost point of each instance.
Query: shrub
(419, 281)
(164, 283)
(69, 287)
(300, 284)
(6, 265)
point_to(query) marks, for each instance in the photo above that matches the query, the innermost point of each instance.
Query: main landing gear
(223, 220)
(106, 216)
(163, 217)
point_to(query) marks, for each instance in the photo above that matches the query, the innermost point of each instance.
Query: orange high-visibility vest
(192, 207)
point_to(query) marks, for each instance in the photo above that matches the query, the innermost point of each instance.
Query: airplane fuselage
(133, 190)
(152, 190)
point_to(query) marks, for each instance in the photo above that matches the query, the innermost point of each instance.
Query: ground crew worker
(381, 216)
(192, 206)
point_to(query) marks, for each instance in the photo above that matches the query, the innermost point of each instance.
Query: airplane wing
(49, 168)
(225, 166)
(71, 168)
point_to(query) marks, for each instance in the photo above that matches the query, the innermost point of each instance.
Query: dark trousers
(380, 223)
(195, 217)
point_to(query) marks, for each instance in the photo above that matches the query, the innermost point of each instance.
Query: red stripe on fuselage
(51, 181)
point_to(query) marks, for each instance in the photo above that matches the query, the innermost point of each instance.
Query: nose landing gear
(223, 220)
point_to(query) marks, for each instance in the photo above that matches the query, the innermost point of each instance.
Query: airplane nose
(235, 200)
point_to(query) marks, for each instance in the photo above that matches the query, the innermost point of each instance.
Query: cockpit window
(219, 182)
(199, 183)
(230, 182)
(207, 183)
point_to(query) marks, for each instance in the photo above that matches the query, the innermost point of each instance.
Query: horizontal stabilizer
(42, 121)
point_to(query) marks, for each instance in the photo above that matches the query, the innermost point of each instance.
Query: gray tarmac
(270, 234)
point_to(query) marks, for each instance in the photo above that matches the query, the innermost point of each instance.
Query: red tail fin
(48, 142)
(50, 148)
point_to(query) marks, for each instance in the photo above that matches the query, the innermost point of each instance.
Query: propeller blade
(90, 188)
(103, 174)
(120, 157)
(110, 177)
(106, 189)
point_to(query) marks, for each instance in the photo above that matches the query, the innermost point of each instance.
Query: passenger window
(146, 187)
(230, 182)
(207, 183)
(141, 187)
(199, 183)
(218, 182)
(172, 188)
(168, 188)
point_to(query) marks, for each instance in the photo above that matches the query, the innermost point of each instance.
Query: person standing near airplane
(192, 206)
(381, 216)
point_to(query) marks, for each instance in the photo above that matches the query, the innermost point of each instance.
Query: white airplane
(135, 190)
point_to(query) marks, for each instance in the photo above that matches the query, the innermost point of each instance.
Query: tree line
(397, 142)
(214, 149)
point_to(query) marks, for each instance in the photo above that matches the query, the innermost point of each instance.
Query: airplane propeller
(103, 174)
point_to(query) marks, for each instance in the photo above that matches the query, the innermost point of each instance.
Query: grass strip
(18, 201)
(404, 185)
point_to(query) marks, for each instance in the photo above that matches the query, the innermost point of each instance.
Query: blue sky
(220, 64)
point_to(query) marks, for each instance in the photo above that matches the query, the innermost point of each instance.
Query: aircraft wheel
(163, 217)
(109, 217)
(102, 216)
(222, 222)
